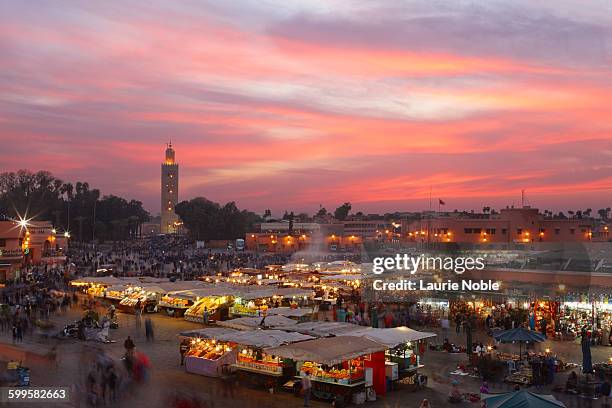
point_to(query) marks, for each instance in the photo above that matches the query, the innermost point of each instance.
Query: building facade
(169, 192)
(510, 225)
(32, 244)
(345, 236)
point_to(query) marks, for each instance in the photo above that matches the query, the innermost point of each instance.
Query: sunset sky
(290, 104)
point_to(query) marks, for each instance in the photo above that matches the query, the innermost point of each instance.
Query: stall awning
(181, 285)
(325, 329)
(193, 294)
(329, 351)
(266, 292)
(391, 337)
(289, 312)
(263, 338)
(250, 323)
(207, 333)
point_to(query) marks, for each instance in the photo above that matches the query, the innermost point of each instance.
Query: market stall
(94, 285)
(176, 303)
(338, 366)
(207, 356)
(254, 303)
(116, 293)
(213, 302)
(257, 302)
(146, 298)
(404, 355)
(578, 311)
(254, 365)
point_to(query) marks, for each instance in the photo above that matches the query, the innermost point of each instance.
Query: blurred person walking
(149, 329)
(183, 348)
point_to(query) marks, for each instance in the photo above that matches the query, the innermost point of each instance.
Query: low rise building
(32, 244)
(510, 225)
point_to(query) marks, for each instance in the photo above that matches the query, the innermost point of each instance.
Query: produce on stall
(210, 304)
(207, 356)
(174, 303)
(211, 348)
(147, 296)
(348, 372)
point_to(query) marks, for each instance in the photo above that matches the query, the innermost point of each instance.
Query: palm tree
(80, 220)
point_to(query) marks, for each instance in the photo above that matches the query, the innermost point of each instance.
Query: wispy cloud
(290, 104)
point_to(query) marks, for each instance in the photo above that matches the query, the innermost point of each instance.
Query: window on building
(491, 231)
(467, 230)
(572, 231)
(557, 231)
(2, 242)
(504, 231)
(519, 231)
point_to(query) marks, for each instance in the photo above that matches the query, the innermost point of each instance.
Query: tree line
(76, 208)
(206, 220)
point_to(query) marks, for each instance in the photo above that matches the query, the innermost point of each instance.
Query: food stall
(213, 348)
(257, 302)
(406, 348)
(94, 285)
(215, 301)
(254, 365)
(338, 366)
(176, 303)
(116, 293)
(207, 356)
(254, 303)
(148, 297)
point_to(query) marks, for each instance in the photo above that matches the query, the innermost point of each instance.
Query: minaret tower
(169, 192)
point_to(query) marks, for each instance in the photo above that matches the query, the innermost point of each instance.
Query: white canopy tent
(263, 338)
(391, 337)
(251, 323)
(325, 329)
(289, 312)
(329, 351)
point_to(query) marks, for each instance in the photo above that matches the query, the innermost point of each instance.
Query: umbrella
(519, 335)
(521, 399)
(587, 362)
